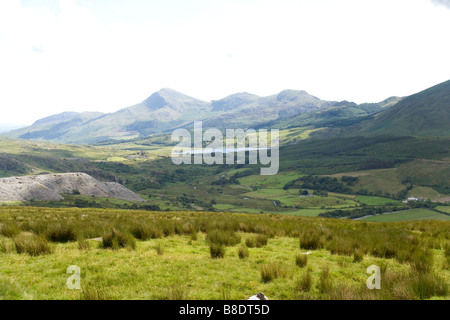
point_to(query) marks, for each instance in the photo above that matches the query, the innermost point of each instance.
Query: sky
(104, 55)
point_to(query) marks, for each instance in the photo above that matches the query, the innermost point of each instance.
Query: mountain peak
(293, 95)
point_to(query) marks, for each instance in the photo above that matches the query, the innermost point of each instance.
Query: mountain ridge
(167, 109)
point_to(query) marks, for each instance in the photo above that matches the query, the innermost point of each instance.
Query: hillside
(426, 113)
(51, 186)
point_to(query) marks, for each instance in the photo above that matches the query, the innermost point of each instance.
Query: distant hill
(168, 109)
(426, 113)
(54, 127)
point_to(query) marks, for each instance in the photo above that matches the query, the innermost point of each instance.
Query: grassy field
(375, 201)
(154, 255)
(413, 214)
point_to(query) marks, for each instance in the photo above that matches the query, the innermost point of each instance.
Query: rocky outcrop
(52, 186)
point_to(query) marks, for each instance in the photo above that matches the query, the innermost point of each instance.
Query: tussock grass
(301, 260)
(325, 283)
(428, 285)
(7, 245)
(403, 250)
(257, 241)
(272, 271)
(304, 284)
(217, 251)
(358, 256)
(90, 292)
(243, 252)
(32, 244)
(159, 249)
(9, 230)
(194, 236)
(61, 233)
(116, 240)
(223, 237)
(83, 244)
(177, 292)
(311, 240)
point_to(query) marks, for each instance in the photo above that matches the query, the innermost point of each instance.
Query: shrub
(271, 271)
(217, 251)
(116, 240)
(31, 244)
(301, 260)
(243, 252)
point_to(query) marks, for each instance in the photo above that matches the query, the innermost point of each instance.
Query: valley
(349, 200)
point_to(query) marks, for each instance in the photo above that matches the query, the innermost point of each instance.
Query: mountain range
(423, 114)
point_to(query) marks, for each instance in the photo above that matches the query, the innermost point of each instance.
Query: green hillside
(426, 113)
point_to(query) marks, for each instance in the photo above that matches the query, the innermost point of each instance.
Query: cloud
(445, 3)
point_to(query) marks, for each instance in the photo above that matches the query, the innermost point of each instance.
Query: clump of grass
(311, 240)
(9, 230)
(272, 271)
(305, 282)
(428, 285)
(223, 237)
(159, 249)
(83, 244)
(447, 250)
(194, 236)
(261, 240)
(61, 233)
(243, 252)
(421, 261)
(6, 246)
(225, 290)
(93, 293)
(250, 242)
(31, 244)
(177, 292)
(257, 242)
(217, 251)
(325, 283)
(345, 292)
(188, 228)
(301, 260)
(116, 240)
(358, 256)
(141, 232)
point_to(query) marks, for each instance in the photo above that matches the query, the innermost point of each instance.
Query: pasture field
(413, 214)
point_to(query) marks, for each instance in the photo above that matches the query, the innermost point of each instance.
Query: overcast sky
(104, 55)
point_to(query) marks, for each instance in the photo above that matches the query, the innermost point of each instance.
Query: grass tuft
(32, 244)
